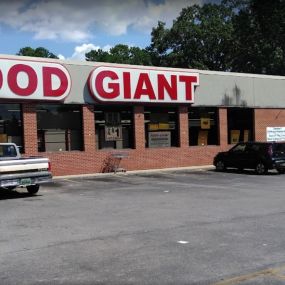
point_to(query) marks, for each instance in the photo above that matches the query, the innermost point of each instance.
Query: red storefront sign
(121, 84)
(33, 80)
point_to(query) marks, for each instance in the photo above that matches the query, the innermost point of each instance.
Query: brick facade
(92, 160)
(232, 91)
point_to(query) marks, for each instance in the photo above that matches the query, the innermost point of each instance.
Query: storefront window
(11, 129)
(59, 127)
(203, 126)
(161, 127)
(114, 127)
(240, 125)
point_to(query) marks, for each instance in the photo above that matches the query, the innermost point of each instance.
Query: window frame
(66, 137)
(13, 109)
(166, 132)
(208, 135)
(122, 123)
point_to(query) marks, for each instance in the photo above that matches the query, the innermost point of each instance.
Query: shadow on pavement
(6, 194)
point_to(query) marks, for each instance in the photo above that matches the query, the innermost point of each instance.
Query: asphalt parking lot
(168, 227)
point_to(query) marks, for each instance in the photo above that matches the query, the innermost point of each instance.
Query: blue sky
(70, 28)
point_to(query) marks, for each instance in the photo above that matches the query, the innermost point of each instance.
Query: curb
(203, 167)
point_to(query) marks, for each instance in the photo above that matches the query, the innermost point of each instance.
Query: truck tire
(33, 189)
(10, 188)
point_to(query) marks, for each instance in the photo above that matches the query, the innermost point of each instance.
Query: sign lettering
(121, 84)
(33, 80)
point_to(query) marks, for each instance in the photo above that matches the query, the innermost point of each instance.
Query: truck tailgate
(24, 164)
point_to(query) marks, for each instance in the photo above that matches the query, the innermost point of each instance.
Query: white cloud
(79, 51)
(166, 12)
(60, 56)
(77, 20)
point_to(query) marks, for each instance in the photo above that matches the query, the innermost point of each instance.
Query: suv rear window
(259, 147)
(255, 147)
(280, 147)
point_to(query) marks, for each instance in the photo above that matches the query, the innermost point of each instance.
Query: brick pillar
(30, 129)
(223, 127)
(139, 127)
(88, 128)
(183, 126)
(259, 126)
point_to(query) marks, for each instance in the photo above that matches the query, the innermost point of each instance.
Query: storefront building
(86, 117)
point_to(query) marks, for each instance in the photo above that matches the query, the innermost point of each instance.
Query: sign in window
(159, 139)
(275, 134)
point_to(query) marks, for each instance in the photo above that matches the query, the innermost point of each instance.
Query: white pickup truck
(16, 171)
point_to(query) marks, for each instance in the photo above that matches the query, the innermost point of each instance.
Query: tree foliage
(199, 38)
(237, 35)
(259, 38)
(38, 52)
(121, 54)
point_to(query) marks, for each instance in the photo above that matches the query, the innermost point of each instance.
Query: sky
(70, 28)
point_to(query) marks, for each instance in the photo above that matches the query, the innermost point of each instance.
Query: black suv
(260, 156)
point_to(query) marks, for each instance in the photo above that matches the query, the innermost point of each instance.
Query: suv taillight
(49, 166)
(270, 150)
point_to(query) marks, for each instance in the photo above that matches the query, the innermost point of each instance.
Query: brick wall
(267, 118)
(93, 161)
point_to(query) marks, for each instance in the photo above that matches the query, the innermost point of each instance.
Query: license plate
(26, 181)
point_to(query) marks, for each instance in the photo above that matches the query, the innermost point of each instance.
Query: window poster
(203, 137)
(235, 134)
(205, 123)
(159, 139)
(113, 133)
(275, 134)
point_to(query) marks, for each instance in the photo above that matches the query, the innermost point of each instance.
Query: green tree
(259, 38)
(159, 49)
(201, 37)
(121, 54)
(98, 55)
(38, 52)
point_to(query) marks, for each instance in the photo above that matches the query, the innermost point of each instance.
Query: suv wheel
(281, 170)
(220, 166)
(240, 169)
(261, 168)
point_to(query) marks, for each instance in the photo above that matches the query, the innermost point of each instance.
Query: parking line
(272, 272)
(277, 273)
(73, 181)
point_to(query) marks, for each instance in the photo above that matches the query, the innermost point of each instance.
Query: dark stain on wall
(234, 99)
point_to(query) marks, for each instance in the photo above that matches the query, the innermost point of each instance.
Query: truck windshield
(7, 151)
